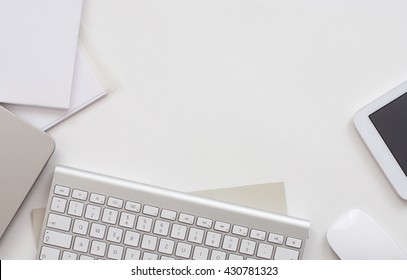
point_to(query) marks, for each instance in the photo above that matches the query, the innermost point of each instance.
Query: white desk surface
(227, 93)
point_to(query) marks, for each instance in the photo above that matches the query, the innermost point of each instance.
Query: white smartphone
(382, 125)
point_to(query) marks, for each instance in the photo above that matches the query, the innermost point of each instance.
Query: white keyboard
(93, 216)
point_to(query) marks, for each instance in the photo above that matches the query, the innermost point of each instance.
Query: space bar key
(57, 239)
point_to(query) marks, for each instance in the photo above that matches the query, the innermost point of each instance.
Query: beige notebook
(268, 197)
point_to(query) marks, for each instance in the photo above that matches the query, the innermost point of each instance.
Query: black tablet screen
(391, 123)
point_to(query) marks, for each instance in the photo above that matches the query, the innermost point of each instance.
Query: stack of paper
(86, 89)
(44, 77)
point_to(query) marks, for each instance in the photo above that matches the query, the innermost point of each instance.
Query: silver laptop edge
(24, 152)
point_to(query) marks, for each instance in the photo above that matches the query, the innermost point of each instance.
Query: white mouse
(356, 236)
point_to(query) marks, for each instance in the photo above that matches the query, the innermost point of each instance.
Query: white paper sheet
(38, 44)
(86, 89)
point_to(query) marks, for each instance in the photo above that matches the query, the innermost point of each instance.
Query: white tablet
(383, 127)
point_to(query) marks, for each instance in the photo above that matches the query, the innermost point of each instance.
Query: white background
(227, 93)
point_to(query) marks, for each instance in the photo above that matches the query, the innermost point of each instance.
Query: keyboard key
(132, 206)
(57, 239)
(92, 212)
(131, 238)
(150, 210)
(149, 242)
(80, 227)
(218, 255)
(144, 223)
(115, 252)
(150, 256)
(204, 222)
(86, 258)
(110, 216)
(276, 238)
(247, 247)
(239, 230)
(178, 231)
(127, 220)
(58, 204)
(186, 218)
(114, 234)
(115, 202)
(195, 235)
(61, 190)
(265, 251)
(75, 208)
(221, 226)
(48, 253)
(235, 257)
(132, 254)
(230, 243)
(97, 231)
(98, 248)
(166, 246)
(81, 244)
(213, 239)
(286, 254)
(79, 194)
(258, 234)
(168, 214)
(200, 253)
(69, 256)
(97, 198)
(183, 250)
(161, 227)
(293, 242)
(59, 222)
